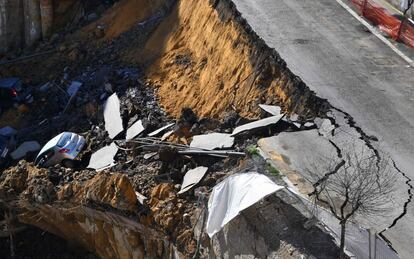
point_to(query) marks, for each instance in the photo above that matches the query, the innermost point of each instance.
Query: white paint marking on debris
(160, 130)
(24, 148)
(212, 141)
(272, 109)
(192, 178)
(103, 158)
(112, 116)
(134, 130)
(235, 194)
(378, 35)
(258, 124)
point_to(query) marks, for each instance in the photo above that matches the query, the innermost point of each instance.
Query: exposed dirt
(201, 63)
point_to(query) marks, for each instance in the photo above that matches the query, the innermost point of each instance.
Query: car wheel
(68, 163)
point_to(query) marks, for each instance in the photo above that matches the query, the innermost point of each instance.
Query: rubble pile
(155, 144)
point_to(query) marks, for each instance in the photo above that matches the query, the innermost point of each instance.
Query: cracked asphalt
(337, 58)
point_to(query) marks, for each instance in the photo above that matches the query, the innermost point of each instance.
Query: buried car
(63, 148)
(13, 93)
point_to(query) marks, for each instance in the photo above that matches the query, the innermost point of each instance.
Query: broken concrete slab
(112, 116)
(272, 109)
(160, 130)
(24, 148)
(212, 141)
(192, 178)
(149, 155)
(258, 124)
(8, 131)
(298, 150)
(166, 135)
(325, 127)
(217, 153)
(134, 130)
(103, 158)
(74, 88)
(235, 194)
(141, 198)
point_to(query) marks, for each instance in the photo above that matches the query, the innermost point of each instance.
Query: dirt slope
(123, 15)
(204, 56)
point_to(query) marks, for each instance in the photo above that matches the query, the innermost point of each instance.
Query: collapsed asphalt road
(332, 52)
(211, 82)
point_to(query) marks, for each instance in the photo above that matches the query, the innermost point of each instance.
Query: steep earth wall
(203, 56)
(206, 57)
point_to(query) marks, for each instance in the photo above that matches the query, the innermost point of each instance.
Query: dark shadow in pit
(272, 227)
(35, 243)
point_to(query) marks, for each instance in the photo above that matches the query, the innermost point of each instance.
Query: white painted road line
(378, 35)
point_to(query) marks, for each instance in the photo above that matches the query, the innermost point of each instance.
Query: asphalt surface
(337, 58)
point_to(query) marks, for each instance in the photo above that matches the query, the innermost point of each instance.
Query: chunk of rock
(111, 189)
(192, 178)
(213, 141)
(24, 148)
(257, 124)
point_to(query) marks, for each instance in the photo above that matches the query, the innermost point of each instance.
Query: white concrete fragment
(141, 198)
(309, 124)
(135, 130)
(235, 194)
(301, 150)
(112, 116)
(212, 141)
(326, 127)
(103, 158)
(160, 130)
(258, 124)
(166, 135)
(149, 155)
(272, 109)
(74, 88)
(192, 178)
(24, 148)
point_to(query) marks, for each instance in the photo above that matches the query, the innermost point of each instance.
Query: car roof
(8, 82)
(53, 142)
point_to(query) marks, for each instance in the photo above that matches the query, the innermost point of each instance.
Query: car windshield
(64, 140)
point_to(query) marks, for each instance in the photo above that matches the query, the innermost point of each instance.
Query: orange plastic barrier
(400, 31)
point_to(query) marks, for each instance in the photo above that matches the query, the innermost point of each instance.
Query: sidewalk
(387, 18)
(394, 11)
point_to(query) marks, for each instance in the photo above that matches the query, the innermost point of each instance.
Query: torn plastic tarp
(235, 194)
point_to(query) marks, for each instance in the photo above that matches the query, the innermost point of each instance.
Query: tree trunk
(342, 244)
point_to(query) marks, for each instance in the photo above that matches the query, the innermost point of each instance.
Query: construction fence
(399, 30)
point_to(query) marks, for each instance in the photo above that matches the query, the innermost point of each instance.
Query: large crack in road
(367, 140)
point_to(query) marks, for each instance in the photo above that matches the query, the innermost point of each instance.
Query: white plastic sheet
(235, 194)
